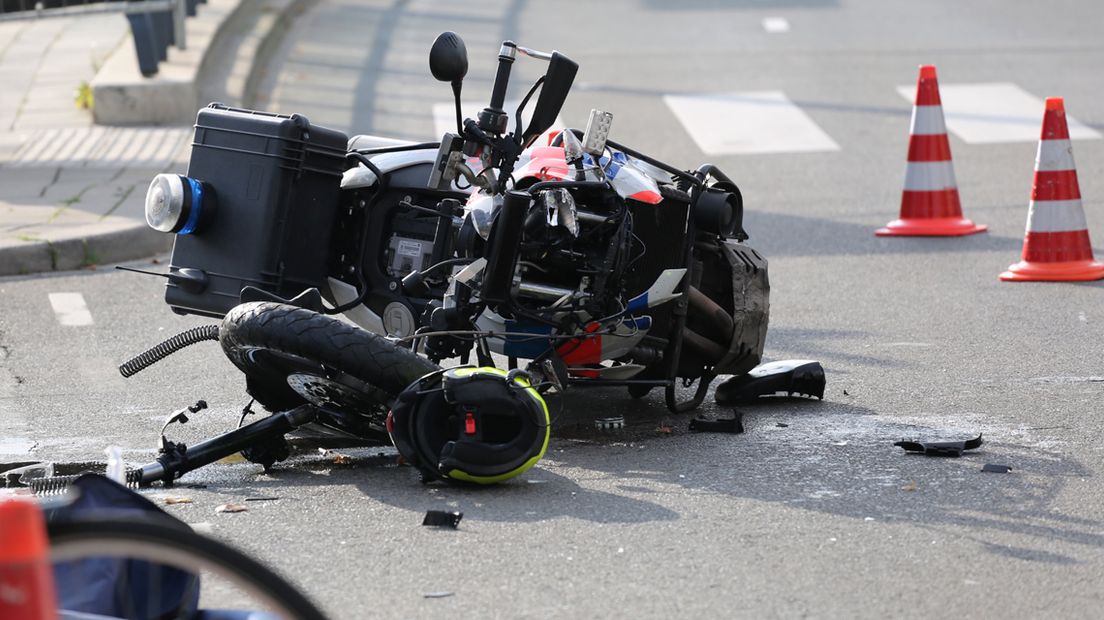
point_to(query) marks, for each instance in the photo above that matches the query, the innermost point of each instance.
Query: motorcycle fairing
(661, 291)
(545, 163)
(628, 178)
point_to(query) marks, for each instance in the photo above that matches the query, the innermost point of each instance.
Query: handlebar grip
(493, 118)
(505, 59)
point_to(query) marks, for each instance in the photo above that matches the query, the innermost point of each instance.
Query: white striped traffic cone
(929, 203)
(1056, 244)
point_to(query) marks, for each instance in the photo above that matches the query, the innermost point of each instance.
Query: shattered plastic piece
(940, 448)
(23, 475)
(790, 377)
(734, 425)
(996, 469)
(231, 508)
(440, 518)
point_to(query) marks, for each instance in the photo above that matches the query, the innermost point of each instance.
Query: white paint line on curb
(990, 113)
(70, 309)
(776, 25)
(748, 122)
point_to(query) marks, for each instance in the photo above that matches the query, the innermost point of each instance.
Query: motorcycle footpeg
(788, 377)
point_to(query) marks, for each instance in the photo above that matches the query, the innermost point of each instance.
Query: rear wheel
(291, 356)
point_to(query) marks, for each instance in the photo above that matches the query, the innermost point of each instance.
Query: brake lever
(473, 132)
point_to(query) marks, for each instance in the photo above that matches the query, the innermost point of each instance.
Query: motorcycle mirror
(557, 83)
(448, 58)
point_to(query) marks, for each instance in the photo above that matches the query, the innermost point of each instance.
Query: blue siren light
(177, 204)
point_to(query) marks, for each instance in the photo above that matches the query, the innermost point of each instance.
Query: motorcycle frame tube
(169, 467)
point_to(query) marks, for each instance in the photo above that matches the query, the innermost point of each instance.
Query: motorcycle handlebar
(506, 57)
(493, 119)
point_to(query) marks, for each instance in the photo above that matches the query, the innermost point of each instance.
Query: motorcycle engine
(575, 248)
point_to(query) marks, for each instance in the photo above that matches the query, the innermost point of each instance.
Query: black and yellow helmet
(480, 425)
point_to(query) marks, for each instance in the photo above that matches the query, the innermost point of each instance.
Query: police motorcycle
(356, 278)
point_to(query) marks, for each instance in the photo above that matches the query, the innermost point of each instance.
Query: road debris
(438, 594)
(337, 457)
(441, 518)
(911, 486)
(940, 448)
(664, 429)
(169, 500)
(261, 499)
(231, 508)
(615, 423)
(992, 468)
(787, 378)
(733, 425)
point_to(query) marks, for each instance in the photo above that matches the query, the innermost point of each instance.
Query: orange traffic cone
(26, 577)
(1056, 244)
(929, 204)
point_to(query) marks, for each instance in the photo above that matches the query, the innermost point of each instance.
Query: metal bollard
(145, 42)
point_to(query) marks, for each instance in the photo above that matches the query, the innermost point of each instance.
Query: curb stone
(98, 242)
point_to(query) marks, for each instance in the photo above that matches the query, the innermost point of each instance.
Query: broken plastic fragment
(940, 448)
(440, 518)
(996, 469)
(734, 425)
(790, 377)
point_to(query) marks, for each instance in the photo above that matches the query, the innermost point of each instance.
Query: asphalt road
(813, 512)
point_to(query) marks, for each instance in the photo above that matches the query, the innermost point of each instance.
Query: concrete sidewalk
(71, 191)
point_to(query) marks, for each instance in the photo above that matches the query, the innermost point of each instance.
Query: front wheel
(291, 356)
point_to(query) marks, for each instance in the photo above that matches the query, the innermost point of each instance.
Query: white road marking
(748, 122)
(70, 309)
(776, 25)
(16, 445)
(444, 116)
(991, 113)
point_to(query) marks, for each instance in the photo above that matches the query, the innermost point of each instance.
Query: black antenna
(148, 273)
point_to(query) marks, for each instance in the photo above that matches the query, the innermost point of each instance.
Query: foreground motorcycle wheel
(292, 355)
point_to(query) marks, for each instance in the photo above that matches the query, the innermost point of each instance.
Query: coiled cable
(167, 348)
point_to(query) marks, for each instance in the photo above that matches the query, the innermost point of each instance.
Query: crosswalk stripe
(70, 309)
(776, 25)
(748, 122)
(990, 113)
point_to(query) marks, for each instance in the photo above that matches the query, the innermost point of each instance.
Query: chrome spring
(57, 485)
(167, 348)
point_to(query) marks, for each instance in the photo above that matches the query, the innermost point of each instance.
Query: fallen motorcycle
(347, 271)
